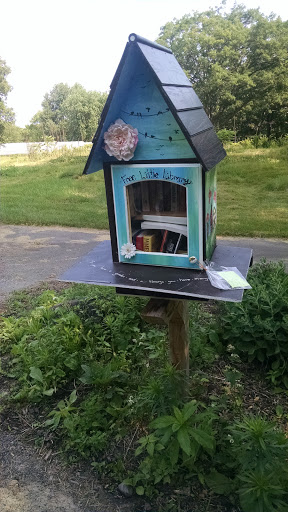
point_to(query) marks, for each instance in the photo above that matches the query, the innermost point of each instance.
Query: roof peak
(134, 38)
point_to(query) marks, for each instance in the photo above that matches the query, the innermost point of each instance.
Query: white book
(175, 228)
(166, 218)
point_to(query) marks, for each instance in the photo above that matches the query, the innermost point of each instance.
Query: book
(174, 197)
(171, 243)
(159, 198)
(176, 228)
(145, 196)
(150, 242)
(182, 245)
(163, 243)
(171, 219)
(137, 196)
(135, 233)
(167, 196)
(139, 242)
(178, 243)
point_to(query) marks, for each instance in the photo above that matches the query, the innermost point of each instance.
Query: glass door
(158, 211)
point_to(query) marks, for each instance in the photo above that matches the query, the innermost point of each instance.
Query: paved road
(31, 254)
(271, 249)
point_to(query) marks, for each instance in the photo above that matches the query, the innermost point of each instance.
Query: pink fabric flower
(121, 140)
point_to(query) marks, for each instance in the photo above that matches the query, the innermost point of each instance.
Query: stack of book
(147, 241)
(159, 236)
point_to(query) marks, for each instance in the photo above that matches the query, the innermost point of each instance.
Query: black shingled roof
(181, 98)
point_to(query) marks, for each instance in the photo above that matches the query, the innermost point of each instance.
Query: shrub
(260, 454)
(226, 135)
(174, 446)
(258, 327)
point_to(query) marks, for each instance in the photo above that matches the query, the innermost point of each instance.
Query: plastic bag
(226, 278)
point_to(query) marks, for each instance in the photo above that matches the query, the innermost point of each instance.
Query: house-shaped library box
(159, 152)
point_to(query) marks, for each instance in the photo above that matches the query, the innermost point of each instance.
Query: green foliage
(6, 114)
(205, 344)
(64, 408)
(258, 326)
(258, 445)
(159, 392)
(260, 492)
(12, 133)
(125, 397)
(175, 445)
(226, 135)
(52, 345)
(237, 63)
(260, 459)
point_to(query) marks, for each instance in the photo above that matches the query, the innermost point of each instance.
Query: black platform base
(98, 268)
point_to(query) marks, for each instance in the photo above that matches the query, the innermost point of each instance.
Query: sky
(48, 42)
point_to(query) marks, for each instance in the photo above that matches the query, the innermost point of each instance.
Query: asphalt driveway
(32, 254)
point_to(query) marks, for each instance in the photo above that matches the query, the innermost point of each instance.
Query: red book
(163, 241)
(140, 241)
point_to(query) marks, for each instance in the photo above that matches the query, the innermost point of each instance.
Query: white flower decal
(121, 140)
(128, 250)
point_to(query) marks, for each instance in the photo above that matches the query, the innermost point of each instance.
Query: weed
(258, 326)
(176, 442)
(64, 408)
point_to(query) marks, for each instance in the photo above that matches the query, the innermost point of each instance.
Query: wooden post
(173, 313)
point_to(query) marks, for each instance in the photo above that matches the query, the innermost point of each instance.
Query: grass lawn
(252, 197)
(253, 193)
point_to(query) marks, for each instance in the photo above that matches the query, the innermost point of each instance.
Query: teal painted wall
(210, 211)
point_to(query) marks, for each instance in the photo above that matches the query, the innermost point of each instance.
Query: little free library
(159, 152)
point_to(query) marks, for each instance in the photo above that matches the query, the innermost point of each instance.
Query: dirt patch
(34, 483)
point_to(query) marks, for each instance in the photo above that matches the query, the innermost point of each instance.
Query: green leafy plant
(62, 412)
(259, 452)
(261, 492)
(176, 441)
(258, 444)
(160, 391)
(258, 327)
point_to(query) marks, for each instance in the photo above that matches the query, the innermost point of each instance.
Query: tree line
(236, 61)
(67, 113)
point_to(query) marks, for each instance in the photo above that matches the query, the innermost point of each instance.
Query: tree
(83, 109)
(12, 133)
(68, 113)
(6, 114)
(237, 64)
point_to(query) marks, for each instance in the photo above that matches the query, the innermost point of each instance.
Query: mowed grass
(252, 192)
(52, 192)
